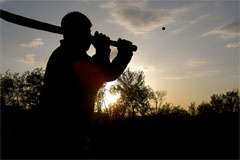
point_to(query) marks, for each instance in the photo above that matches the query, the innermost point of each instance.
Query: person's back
(72, 80)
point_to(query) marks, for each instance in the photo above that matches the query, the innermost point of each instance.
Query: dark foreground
(163, 136)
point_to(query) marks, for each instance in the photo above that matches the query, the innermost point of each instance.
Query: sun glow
(110, 98)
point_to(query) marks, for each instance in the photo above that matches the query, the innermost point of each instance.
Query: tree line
(21, 90)
(137, 98)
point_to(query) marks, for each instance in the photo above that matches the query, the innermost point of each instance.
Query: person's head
(76, 29)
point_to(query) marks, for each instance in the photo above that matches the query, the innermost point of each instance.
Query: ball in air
(163, 28)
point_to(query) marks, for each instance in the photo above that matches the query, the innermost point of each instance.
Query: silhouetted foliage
(21, 90)
(205, 109)
(177, 110)
(158, 99)
(99, 99)
(165, 109)
(192, 109)
(135, 95)
(223, 103)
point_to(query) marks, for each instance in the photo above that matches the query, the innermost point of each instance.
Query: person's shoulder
(57, 52)
(60, 48)
(56, 57)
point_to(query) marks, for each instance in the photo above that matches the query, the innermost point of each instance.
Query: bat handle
(115, 44)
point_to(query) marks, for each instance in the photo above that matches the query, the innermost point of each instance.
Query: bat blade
(35, 24)
(27, 22)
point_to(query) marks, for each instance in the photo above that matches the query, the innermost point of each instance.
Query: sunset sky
(196, 56)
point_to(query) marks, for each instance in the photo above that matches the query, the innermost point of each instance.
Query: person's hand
(124, 47)
(102, 44)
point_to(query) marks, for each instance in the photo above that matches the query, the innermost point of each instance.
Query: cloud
(177, 31)
(28, 59)
(196, 63)
(37, 42)
(150, 68)
(190, 75)
(139, 18)
(226, 31)
(233, 45)
(145, 69)
(181, 29)
(199, 19)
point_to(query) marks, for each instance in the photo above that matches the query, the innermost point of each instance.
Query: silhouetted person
(72, 80)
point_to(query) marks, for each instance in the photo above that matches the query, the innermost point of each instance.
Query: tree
(177, 110)
(12, 87)
(99, 99)
(7, 88)
(192, 109)
(34, 83)
(144, 104)
(134, 93)
(21, 90)
(205, 109)
(165, 109)
(158, 98)
(115, 111)
(118, 108)
(223, 103)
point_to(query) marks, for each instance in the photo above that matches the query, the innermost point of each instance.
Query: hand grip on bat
(116, 44)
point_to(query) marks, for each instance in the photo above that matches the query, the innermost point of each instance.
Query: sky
(196, 56)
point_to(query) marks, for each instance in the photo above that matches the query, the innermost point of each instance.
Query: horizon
(196, 56)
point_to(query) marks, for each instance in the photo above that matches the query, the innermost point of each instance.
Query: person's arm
(114, 69)
(102, 57)
(120, 62)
